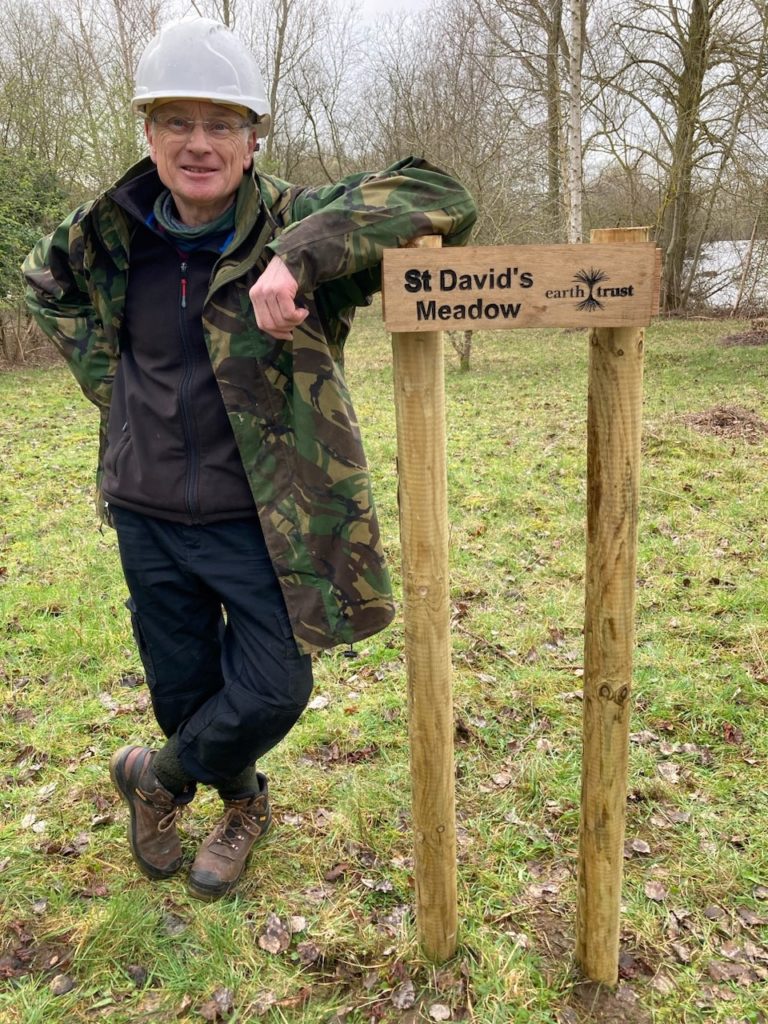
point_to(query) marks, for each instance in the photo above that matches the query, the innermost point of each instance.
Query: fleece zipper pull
(184, 285)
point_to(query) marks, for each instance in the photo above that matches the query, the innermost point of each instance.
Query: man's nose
(198, 139)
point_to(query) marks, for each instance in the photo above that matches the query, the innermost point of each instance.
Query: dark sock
(168, 768)
(241, 785)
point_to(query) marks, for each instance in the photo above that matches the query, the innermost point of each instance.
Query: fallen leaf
(669, 771)
(655, 891)
(383, 885)
(318, 703)
(219, 1006)
(318, 893)
(501, 780)
(732, 950)
(308, 953)
(749, 917)
(719, 971)
(61, 984)
(262, 1003)
(275, 938)
(340, 1017)
(76, 847)
(439, 1011)
(404, 996)
(336, 872)
(298, 924)
(567, 1016)
(173, 924)
(138, 974)
(663, 983)
(96, 891)
(732, 734)
(714, 913)
(631, 966)
(543, 891)
(640, 846)
(130, 681)
(643, 738)
(151, 1003)
(755, 952)
(679, 817)
(682, 952)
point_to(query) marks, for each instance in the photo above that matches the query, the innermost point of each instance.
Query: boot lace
(170, 811)
(229, 831)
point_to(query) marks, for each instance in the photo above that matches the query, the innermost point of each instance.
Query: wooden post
(422, 489)
(613, 461)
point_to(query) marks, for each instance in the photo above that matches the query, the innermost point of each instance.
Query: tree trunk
(678, 202)
(575, 183)
(554, 30)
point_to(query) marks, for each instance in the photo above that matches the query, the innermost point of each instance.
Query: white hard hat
(201, 59)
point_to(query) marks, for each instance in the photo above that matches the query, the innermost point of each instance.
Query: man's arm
(341, 230)
(274, 301)
(58, 299)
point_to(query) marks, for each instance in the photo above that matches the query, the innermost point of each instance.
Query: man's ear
(150, 141)
(251, 147)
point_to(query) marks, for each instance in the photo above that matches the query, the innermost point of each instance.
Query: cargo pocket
(298, 666)
(141, 644)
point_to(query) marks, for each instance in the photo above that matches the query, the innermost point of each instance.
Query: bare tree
(576, 32)
(529, 35)
(448, 103)
(681, 71)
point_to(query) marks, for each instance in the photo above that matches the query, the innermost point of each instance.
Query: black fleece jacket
(171, 452)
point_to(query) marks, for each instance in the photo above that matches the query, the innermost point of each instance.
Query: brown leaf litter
(729, 421)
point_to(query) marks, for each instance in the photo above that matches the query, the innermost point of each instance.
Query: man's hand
(274, 301)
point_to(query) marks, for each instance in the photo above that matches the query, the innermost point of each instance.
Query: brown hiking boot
(221, 859)
(152, 834)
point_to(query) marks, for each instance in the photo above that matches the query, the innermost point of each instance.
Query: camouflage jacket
(287, 402)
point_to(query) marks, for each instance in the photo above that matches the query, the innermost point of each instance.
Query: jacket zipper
(187, 413)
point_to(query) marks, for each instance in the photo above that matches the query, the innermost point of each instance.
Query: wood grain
(422, 491)
(613, 464)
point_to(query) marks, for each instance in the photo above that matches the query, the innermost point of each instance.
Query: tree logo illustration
(590, 278)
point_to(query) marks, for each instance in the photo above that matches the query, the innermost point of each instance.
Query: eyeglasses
(215, 127)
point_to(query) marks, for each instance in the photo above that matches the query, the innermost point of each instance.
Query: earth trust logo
(589, 288)
(591, 278)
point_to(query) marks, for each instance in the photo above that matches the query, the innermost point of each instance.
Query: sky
(373, 8)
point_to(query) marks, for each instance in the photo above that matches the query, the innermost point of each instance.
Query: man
(204, 307)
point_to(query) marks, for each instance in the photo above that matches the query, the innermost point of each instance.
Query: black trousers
(218, 652)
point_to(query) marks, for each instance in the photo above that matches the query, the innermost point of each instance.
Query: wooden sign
(502, 287)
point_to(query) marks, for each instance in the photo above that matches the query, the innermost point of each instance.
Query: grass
(697, 811)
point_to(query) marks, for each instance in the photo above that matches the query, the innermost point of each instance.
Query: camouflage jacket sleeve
(60, 301)
(341, 230)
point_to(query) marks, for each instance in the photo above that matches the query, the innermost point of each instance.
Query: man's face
(202, 171)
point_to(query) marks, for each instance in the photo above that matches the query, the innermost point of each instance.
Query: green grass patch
(335, 877)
